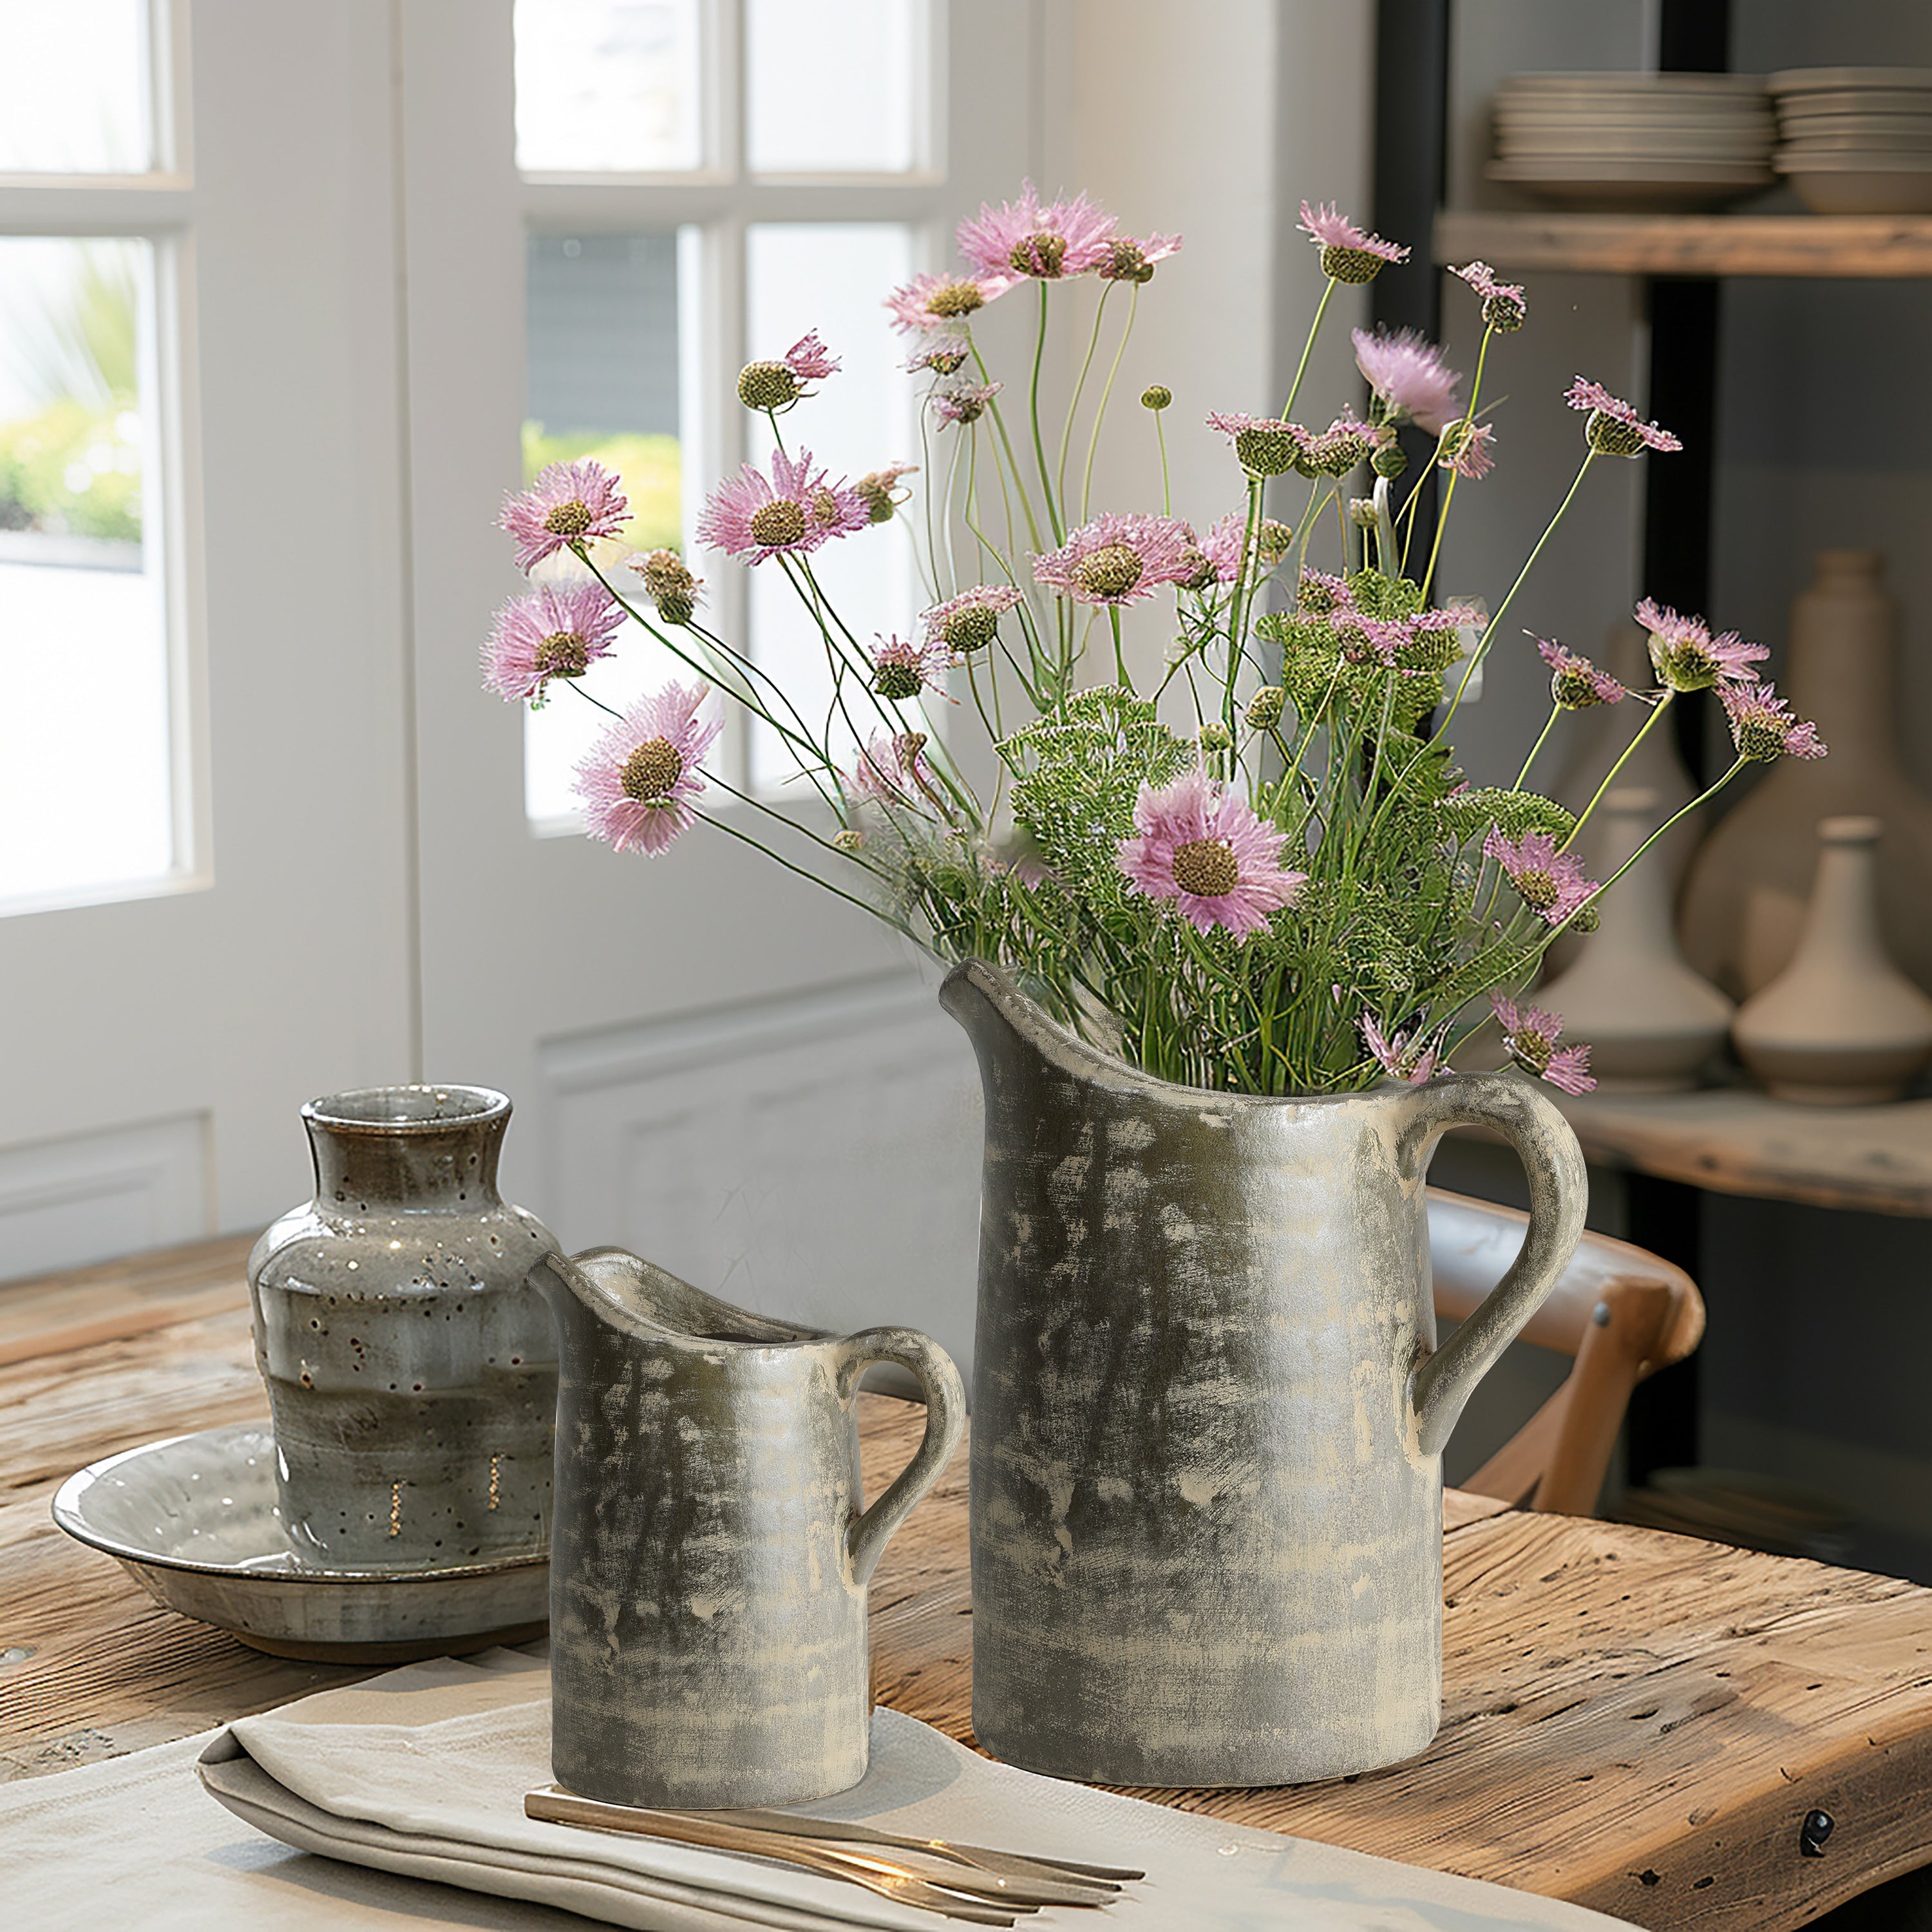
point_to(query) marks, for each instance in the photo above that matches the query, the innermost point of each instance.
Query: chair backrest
(1621, 1311)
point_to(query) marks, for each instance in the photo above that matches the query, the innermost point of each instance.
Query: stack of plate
(1856, 140)
(1634, 141)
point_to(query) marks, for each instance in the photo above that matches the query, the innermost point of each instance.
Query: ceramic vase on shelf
(1841, 1026)
(1650, 1022)
(411, 1371)
(1209, 1410)
(1743, 903)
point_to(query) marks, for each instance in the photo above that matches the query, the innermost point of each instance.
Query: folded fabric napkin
(422, 1774)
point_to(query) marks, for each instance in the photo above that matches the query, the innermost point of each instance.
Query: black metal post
(1411, 123)
(1666, 1216)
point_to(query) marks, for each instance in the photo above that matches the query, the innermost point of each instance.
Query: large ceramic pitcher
(1209, 1409)
(709, 1551)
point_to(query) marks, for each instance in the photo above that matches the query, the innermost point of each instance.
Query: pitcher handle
(1558, 1197)
(866, 1536)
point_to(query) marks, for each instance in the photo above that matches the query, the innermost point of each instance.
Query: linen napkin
(419, 1776)
(424, 1770)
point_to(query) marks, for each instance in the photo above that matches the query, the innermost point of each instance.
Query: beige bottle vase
(1841, 1026)
(1743, 902)
(1650, 1022)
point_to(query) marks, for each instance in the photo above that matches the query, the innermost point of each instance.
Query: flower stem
(1556, 712)
(1301, 367)
(1032, 408)
(1079, 386)
(1662, 705)
(1100, 411)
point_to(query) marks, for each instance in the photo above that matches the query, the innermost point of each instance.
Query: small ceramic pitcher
(709, 1549)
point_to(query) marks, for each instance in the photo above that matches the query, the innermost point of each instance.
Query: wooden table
(1634, 1721)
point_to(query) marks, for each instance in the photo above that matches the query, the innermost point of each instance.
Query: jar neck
(1843, 671)
(417, 1167)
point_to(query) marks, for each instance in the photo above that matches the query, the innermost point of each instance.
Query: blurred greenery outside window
(70, 459)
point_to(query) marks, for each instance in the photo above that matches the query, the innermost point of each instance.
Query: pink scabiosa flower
(1404, 1058)
(773, 386)
(794, 510)
(893, 770)
(1118, 560)
(1614, 428)
(1466, 447)
(937, 301)
(1687, 657)
(1128, 260)
(640, 778)
(1028, 237)
(1348, 254)
(970, 622)
(1344, 446)
(568, 505)
(902, 669)
(1552, 884)
(1222, 547)
(1323, 595)
(1575, 682)
(670, 584)
(1409, 376)
(558, 631)
(1503, 307)
(942, 353)
(1203, 851)
(1432, 641)
(1530, 1035)
(962, 402)
(1762, 726)
(1266, 445)
(879, 491)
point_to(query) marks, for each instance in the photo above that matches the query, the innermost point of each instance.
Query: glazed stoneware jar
(713, 1549)
(1209, 1411)
(411, 1371)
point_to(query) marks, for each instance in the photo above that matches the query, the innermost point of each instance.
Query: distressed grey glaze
(1209, 1409)
(195, 1520)
(711, 1551)
(411, 1371)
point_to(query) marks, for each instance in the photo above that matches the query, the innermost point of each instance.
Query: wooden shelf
(1735, 1140)
(1893, 246)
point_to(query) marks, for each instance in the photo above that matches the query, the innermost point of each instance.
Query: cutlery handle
(867, 1535)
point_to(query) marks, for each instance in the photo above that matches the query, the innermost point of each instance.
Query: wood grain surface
(1633, 1721)
(1735, 1140)
(1889, 246)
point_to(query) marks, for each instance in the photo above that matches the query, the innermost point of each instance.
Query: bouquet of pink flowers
(1260, 871)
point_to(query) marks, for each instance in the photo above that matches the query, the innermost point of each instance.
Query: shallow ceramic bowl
(1854, 184)
(1631, 185)
(193, 1519)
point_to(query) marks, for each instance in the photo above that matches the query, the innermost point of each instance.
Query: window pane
(833, 87)
(607, 86)
(833, 277)
(85, 791)
(602, 381)
(73, 87)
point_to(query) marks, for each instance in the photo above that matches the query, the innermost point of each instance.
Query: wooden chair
(1619, 1310)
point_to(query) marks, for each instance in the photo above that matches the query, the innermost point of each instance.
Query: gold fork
(994, 1900)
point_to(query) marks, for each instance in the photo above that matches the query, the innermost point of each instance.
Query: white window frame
(710, 208)
(158, 207)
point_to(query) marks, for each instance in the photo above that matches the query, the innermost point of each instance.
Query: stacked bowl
(1856, 140)
(1634, 142)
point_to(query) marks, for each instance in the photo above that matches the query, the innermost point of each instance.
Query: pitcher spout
(1014, 1039)
(611, 1289)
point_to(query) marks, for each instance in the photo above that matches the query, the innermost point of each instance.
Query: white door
(205, 914)
(714, 1063)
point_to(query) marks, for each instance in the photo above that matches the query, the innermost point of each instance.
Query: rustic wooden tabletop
(1634, 1721)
